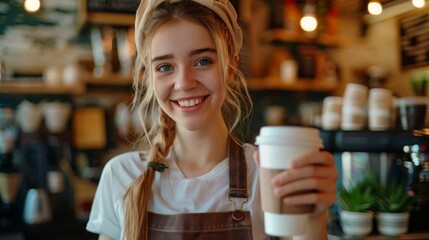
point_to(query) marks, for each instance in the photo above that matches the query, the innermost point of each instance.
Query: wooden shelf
(38, 88)
(272, 83)
(279, 34)
(118, 80)
(104, 18)
(114, 79)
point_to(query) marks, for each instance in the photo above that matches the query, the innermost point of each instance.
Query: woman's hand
(313, 173)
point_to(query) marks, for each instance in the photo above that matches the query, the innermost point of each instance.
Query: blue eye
(164, 68)
(203, 62)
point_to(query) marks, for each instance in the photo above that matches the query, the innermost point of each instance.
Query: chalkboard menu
(114, 6)
(414, 37)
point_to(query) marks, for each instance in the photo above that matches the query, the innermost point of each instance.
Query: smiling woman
(186, 80)
(194, 178)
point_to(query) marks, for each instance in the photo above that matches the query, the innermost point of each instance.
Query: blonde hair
(158, 128)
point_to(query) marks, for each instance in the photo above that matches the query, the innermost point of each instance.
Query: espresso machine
(396, 154)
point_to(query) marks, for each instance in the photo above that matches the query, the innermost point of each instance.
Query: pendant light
(308, 21)
(375, 7)
(418, 3)
(32, 6)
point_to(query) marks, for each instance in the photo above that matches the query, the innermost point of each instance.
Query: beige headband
(223, 8)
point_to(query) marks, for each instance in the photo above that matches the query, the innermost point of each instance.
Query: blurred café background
(358, 74)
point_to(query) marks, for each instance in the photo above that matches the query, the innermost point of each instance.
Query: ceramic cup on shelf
(56, 115)
(29, 116)
(52, 75)
(72, 75)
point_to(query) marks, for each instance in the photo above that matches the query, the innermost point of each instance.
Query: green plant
(393, 198)
(361, 197)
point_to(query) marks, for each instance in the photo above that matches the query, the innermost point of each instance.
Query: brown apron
(235, 225)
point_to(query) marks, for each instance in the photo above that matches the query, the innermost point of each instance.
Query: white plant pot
(392, 224)
(356, 223)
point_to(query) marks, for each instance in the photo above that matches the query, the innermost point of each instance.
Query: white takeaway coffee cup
(278, 147)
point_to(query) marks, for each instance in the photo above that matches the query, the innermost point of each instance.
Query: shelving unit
(104, 18)
(303, 47)
(39, 88)
(114, 79)
(271, 83)
(279, 34)
(105, 13)
(88, 80)
(372, 141)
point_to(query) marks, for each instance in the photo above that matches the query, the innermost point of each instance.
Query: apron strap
(237, 170)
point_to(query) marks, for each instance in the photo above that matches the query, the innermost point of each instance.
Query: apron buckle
(237, 214)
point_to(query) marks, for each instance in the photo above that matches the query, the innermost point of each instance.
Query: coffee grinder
(56, 115)
(33, 162)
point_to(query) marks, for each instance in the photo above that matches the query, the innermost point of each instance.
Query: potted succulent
(393, 206)
(357, 203)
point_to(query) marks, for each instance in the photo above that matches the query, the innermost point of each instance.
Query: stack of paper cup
(354, 105)
(278, 146)
(379, 109)
(331, 113)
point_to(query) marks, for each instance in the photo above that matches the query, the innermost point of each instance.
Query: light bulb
(308, 23)
(418, 3)
(375, 8)
(32, 5)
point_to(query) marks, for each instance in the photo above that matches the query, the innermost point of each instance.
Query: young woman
(194, 179)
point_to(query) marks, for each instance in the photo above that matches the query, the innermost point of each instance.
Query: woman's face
(186, 74)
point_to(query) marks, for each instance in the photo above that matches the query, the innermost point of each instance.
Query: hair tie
(159, 167)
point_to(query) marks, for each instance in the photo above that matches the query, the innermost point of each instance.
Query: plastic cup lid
(290, 135)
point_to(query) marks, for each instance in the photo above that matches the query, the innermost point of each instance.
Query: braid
(163, 139)
(136, 206)
(136, 198)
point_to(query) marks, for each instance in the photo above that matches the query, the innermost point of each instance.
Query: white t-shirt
(172, 193)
